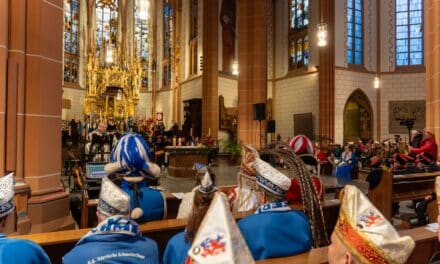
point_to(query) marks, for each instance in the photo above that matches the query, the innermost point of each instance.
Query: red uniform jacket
(294, 193)
(429, 146)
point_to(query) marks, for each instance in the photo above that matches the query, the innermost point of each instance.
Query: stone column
(49, 204)
(252, 61)
(3, 66)
(15, 102)
(154, 75)
(432, 64)
(210, 68)
(327, 72)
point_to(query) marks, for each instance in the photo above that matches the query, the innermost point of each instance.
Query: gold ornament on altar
(112, 89)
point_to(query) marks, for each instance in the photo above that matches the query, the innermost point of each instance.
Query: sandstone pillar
(327, 71)
(210, 68)
(49, 205)
(252, 60)
(432, 63)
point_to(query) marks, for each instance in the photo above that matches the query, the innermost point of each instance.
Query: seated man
(116, 239)
(275, 230)
(15, 251)
(131, 161)
(363, 235)
(427, 152)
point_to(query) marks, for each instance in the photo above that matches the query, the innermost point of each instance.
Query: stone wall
(76, 97)
(164, 104)
(295, 96)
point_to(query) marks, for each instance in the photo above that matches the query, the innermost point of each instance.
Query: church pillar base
(50, 212)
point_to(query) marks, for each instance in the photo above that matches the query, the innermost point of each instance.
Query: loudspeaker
(271, 126)
(260, 111)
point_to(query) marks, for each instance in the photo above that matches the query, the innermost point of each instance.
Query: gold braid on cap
(357, 244)
(310, 197)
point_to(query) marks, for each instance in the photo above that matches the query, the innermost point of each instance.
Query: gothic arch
(358, 117)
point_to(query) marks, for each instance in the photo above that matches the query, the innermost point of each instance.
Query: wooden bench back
(426, 245)
(57, 244)
(395, 188)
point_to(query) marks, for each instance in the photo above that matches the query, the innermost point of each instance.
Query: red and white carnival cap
(301, 144)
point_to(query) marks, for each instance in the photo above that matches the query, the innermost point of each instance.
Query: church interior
(157, 95)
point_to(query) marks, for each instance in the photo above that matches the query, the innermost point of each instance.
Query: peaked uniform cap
(207, 186)
(367, 234)
(113, 200)
(219, 239)
(270, 178)
(6, 194)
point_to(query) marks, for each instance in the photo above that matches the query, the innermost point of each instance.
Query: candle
(209, 132)
(191, 132)
(174, 141)
(180, 141)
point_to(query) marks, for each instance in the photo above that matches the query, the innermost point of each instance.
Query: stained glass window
(194, 19)
(71, 36)
(168, 31)
(298, 34)
(354, 32)
(142, 35)
(409, 32)
(299, 14)
(106, 22)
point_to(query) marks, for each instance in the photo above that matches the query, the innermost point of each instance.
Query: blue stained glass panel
(401, 32)
(416, 31)
(415, 4)
(409, 32)
(350, 57)
(354, 32)
(402, 18)
(358, 30)
(401, 5)
(358, 58)
(358, 17)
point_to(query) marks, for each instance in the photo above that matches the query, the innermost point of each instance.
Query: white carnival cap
(207, 185)
(270, 178)
(219, 239)
(113, 200)
(6, 194)
(366, 233)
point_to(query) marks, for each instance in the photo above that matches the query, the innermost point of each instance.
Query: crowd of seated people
(273, 229)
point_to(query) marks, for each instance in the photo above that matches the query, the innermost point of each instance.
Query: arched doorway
(358, 117)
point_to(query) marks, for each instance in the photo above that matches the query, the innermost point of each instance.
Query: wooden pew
(426, 245)
(396, 188)
(88, 209)
(57, 244)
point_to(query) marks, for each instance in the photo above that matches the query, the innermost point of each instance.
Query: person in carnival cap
(275, 230)
(219, 240)
(116, 239)
(243, 197)
(363, 235)
(185, 207)
(130, 158)
(178, 246)
(303, 147)
(15, 251)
